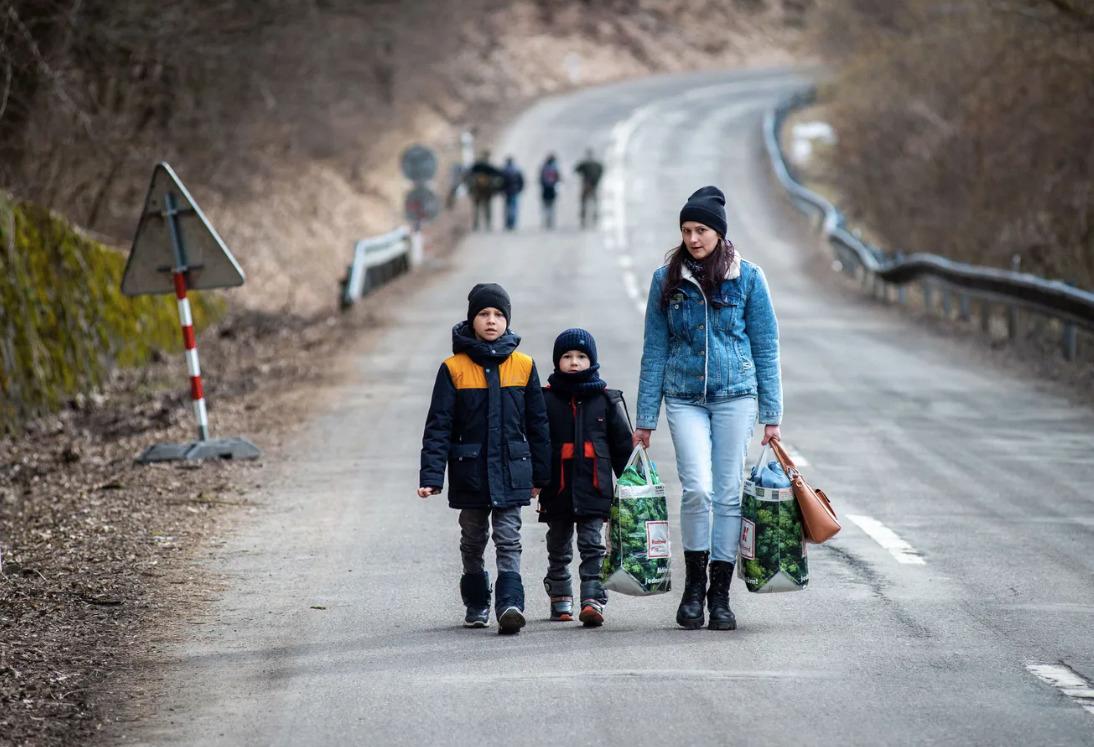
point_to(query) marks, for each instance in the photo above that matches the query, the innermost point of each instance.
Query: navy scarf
(579, 384)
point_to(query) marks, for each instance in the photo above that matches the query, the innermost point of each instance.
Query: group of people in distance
(484, 182)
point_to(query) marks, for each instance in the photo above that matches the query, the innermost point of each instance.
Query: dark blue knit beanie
(575, 339)
(707, 205)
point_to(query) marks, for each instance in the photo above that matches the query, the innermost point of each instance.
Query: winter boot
(509, 604)
(562, 599)
(689, 614)
(721, 616)
(475, 590)
(593, 599)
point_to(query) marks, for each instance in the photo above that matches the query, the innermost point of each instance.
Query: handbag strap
(783, 458)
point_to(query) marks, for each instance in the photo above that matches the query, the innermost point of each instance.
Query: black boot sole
(722, 625)
(687, 624)
(510, 621)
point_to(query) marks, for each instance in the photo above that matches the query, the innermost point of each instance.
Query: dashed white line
(1067, 681)
(888, 539)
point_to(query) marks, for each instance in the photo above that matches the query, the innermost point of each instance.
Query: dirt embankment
(287, 123)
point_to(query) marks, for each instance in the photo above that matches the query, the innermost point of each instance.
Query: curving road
(956, 606)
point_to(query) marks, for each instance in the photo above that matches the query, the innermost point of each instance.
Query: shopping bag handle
(760, 461)
(640, 453)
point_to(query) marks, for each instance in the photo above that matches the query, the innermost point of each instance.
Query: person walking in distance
(487, 425)
(484, 181)
(590, 441)
(549, 178)
(514, 185)
(590, 170)
(711, 351)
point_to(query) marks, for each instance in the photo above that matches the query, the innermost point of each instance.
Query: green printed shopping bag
(637, 561)
(772, 550)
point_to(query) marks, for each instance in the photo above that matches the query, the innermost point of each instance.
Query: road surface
(967, 564)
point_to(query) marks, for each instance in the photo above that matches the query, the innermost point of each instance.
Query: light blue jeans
(711, 441)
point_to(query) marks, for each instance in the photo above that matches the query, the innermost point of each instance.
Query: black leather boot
(689, 614)
(721, 616)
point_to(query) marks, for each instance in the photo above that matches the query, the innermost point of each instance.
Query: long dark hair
(715, 266)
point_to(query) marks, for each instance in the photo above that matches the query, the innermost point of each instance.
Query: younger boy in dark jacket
(487, 424)
(590, 439)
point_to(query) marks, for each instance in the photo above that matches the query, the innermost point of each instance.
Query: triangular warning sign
(174, 233)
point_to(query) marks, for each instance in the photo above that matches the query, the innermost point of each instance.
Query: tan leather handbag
(818, 517)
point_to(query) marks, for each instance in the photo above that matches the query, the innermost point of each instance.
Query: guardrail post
(416, 250)
(985, 317)
(1012, 322)
(1071, 341)
(926, 295)
(901, 295)
(947, 302)
(964, 313)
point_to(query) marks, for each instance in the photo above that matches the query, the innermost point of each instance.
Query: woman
(711, 350)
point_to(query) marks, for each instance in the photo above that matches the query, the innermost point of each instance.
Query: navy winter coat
(487, 423)
(581, 476)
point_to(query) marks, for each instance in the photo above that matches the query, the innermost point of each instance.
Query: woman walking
(711, 351)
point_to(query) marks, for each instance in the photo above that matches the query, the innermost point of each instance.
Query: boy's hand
(426, 492)
(641, 436)
(536, 492)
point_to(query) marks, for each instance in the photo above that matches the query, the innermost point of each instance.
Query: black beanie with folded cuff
(707, 205)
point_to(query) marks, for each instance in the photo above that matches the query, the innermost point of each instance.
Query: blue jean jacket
(705, 352)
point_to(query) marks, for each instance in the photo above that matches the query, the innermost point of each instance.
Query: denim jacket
(706, 352)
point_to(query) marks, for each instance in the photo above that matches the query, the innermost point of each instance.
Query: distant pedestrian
(484, 182)
(590, 170)
(488, 426)
(711, 350)
(549, 178)
(590, 441)
(514, 185)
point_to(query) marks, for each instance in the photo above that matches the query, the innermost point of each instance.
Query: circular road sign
(419, 163)
(421, 205)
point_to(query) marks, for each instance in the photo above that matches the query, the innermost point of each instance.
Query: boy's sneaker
(562, 609)
(477, 617)
(592, 613)
(510, 621)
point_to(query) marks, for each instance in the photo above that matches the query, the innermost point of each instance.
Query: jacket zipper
(706, 332)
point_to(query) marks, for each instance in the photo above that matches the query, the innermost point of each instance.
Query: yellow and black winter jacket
(487, 422)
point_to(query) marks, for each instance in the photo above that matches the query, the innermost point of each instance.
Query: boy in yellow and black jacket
(487, 423)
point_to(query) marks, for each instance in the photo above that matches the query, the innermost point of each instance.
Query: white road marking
(1067, 681)
(630, 284)
(888, 539)
(796, 456)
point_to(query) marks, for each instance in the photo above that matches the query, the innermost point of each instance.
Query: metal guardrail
(880, 270)
(378, 259)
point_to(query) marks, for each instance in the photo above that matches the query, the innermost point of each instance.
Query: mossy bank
(64, 323)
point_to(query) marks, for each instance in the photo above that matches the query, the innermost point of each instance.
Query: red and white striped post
(197, 393)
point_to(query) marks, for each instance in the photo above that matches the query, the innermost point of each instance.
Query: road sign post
(175, 250)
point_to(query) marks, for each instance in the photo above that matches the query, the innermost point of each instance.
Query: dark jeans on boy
(560, 551)
(475, 526)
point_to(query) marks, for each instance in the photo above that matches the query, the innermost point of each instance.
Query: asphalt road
(973, 484)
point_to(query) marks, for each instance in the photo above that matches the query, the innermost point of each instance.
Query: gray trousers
(475, 530)
(560, 551)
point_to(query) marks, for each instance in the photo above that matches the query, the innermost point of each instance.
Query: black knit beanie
(706, 205)
(575, 339)
(487, 295)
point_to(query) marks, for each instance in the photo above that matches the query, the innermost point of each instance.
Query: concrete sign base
(222, 448)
